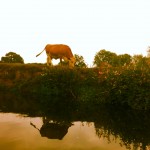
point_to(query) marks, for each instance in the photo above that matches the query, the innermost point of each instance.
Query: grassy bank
(88, 87)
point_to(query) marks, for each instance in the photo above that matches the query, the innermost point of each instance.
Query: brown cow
(59, 51)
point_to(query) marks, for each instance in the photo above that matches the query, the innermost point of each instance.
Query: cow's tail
(40, 53)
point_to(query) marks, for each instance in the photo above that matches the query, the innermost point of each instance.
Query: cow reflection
(53, 129)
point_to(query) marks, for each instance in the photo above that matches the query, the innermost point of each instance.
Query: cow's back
(58, 50)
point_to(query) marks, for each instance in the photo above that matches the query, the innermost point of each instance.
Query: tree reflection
(131, 127)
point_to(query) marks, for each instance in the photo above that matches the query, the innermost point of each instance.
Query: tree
(124, 59)
(141, 62)
(136, 59)
(79, 61)
(12, 57)
(148, 51)
(105, 56)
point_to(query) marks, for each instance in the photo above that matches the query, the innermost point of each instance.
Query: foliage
(140, 62)
(124, 59)
(148, 51)
(111, 58)
(104, 56)
(80, 61)
(12, 57)
(129, 86)
(126, 85)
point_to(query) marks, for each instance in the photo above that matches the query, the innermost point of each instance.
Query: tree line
(101, 57)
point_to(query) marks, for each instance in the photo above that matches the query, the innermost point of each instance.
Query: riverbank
(128, 86)
(10, 73)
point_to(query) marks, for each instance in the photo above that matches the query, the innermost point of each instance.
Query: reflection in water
(130, 129)
(17, 134)
(53, 129)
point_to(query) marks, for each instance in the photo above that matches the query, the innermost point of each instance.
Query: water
(28, 124)
(17, 133)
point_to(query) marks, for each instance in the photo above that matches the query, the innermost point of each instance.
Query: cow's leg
(65, 59)
(60, 61)
(49, 60)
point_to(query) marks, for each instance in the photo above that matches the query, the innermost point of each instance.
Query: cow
(59, 51)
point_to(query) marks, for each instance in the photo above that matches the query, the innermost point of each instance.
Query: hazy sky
(87, 26)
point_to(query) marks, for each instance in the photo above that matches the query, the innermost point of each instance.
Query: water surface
(28, 123)
(18, 133)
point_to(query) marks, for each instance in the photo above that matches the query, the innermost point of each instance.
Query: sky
(87, 26)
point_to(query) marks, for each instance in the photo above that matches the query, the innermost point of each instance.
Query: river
(18, 132)
(26, 124)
